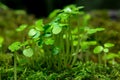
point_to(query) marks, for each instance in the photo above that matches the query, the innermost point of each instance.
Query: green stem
(105, 60)
(15, 66)
(99, 59)
(78, 46)
(0, 74)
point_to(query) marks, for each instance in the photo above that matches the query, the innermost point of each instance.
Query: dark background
(41, 8)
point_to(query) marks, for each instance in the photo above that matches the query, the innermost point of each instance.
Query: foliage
(60, 49)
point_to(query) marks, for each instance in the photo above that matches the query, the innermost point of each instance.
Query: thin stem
(15, 66)
(99, 58)
(78, 46)
(105, 60)
(0, 74)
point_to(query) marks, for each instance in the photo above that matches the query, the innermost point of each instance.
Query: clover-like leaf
(106, 50)
(92, 31)
(84, 45)
(92, 42)
(15, 46)
(49, 41)
(56, 29)
(108, 45)
(39, 25)
(22, 27)
(98, 49)
(34, 33)
(56, 50)
(28, 52)
(67, 9)
(111, 56)
(54, 13)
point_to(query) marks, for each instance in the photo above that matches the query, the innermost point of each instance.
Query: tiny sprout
(56, 28)
(34, 33)
(15, 46)
(22, 27)
(28, 52)
(98, 49)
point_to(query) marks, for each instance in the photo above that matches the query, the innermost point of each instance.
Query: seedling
(60, 41)
(105, 49)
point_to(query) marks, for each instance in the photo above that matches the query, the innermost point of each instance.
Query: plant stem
(15, 66)
(105, 60)
(78, 46)
(0, 74)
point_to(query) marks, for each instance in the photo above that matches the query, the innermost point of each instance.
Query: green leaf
(92, 42)
(3, 6)
(49, 41)
(67, 9)
(15, 46)
(28, 52)
(91, 31)
(64, 17)
(56, 28)
(75, 43)
(98, 49)
(84, 45)
(48, 35)
(108, 45)
(54, 13)
(39, 25)
(22, 27)
(56, 50)
(111, 56)
(106, 50)
(34, 33)
(100, 29)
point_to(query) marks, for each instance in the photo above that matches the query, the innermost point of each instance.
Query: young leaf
(100, 29)
(92, 43)
(22, 27)
(56, 28)
(98, 49)
(106, 50)
(56, 50)
(111, 56)
(54, 13)
(39, 25)
(67, 9)
(28, 52)
(84, 45)
(15, 46)
(108, 45)
(91, 31)
(49, 41)
(34, 33)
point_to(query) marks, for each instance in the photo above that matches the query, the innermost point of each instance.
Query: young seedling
(14, 47)
(111, 58)
(105, 49)
(60, 44)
